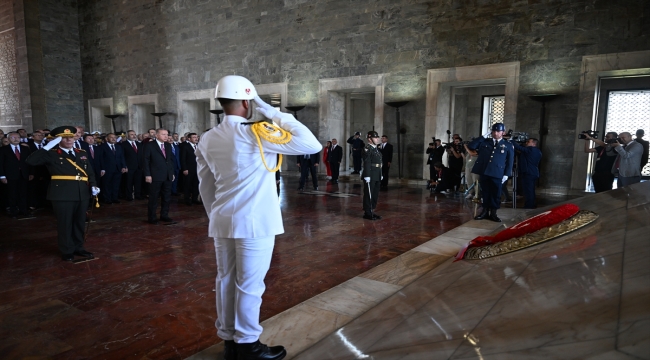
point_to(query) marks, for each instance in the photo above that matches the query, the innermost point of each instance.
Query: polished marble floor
(585, 295)
(149, 293)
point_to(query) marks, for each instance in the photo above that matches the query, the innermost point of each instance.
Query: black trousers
(528, 188)
(17, 196)
(356, 159)
(70, 221)
(603, 181)
(162, 189)
(39, 192)
(370, 195)
(191, 186)
(133, 184)
(384, 172)
(305, 170)
(334, 168)
(491, 191)
(111, 185)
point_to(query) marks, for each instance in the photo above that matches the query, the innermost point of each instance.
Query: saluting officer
(494, 165)
(371, 175)
(72, 182)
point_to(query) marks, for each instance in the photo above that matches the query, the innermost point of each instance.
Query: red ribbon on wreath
(537, 222)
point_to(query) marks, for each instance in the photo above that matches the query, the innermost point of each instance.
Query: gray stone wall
(59, 33)
(162, 47)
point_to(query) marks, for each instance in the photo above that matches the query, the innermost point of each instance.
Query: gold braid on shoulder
(273, 134)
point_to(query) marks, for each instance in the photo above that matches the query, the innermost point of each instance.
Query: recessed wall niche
(140, 109)
(194, 111)
(97, 108)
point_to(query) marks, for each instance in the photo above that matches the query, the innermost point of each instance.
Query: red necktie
(135, 148)
(162, 147)
(17, 153)
(92, 151)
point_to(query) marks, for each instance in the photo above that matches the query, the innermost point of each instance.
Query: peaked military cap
(64, 131)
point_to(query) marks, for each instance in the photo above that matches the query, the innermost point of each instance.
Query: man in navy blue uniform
(357, 151)
(528, 169)
(494, 165)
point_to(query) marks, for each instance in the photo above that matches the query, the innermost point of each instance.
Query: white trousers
(242, 265)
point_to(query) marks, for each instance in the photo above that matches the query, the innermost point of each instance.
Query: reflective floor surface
(585, 295)
(149, 293)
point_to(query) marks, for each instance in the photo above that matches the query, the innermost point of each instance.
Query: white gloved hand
(504, 179)
(367, 178)
(95, 190)
(266, 109)
(382, 177)
(487, 134)
(52, 143)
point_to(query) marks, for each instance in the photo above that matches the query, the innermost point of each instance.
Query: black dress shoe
(482, 215)
(369, 217)
(259, 351)
(153, 222)
(84, 253)
(493, 216)
(67, 257)
(166, 219)
(229, 350)
(377, 217)
(188, 203)
(315, 188)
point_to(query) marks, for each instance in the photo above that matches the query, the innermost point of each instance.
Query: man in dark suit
(334, 157)
(644, 143)
(94, 155)
(308, 163)
(132, 149)
(112, 166)
(386, 151)
(189, 170)
(528, 169)
(158, 168)
(41, 175)
(176, 151)
(494, 165)
(435, 151)
(78, 139)
(16, 174)
(72, 183)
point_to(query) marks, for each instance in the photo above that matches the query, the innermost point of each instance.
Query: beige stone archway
(440, 83)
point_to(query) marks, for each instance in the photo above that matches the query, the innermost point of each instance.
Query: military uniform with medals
(69, 191)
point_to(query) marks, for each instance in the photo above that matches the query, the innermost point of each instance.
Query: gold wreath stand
(581, 219)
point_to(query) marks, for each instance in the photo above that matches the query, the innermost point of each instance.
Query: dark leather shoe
(493, 216)
(369, 217)
(482, 215)
(67, 257)
(316, 188)
(376, 217)
(166, 219)
(153, 222)
(229, 350)
(84, 253)
(259, 351)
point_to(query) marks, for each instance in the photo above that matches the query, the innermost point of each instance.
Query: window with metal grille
(493, 111)
(628, 111)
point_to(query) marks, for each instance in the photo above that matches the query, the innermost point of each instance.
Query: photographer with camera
(528, 169)
(494, 164)
(442, 180)
(603, 178)
(435, 152)
(628, 160)
(455, 161)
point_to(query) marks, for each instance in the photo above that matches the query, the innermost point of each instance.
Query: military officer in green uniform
(71, 186)
(371, 176)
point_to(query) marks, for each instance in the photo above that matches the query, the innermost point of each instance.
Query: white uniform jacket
(238, 193)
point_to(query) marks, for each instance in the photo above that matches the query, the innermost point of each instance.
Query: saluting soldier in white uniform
(239, 194)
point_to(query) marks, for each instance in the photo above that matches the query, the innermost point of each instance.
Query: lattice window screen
(629, 111)
(497, 110)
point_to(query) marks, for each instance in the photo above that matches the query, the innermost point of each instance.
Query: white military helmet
(235, 87)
